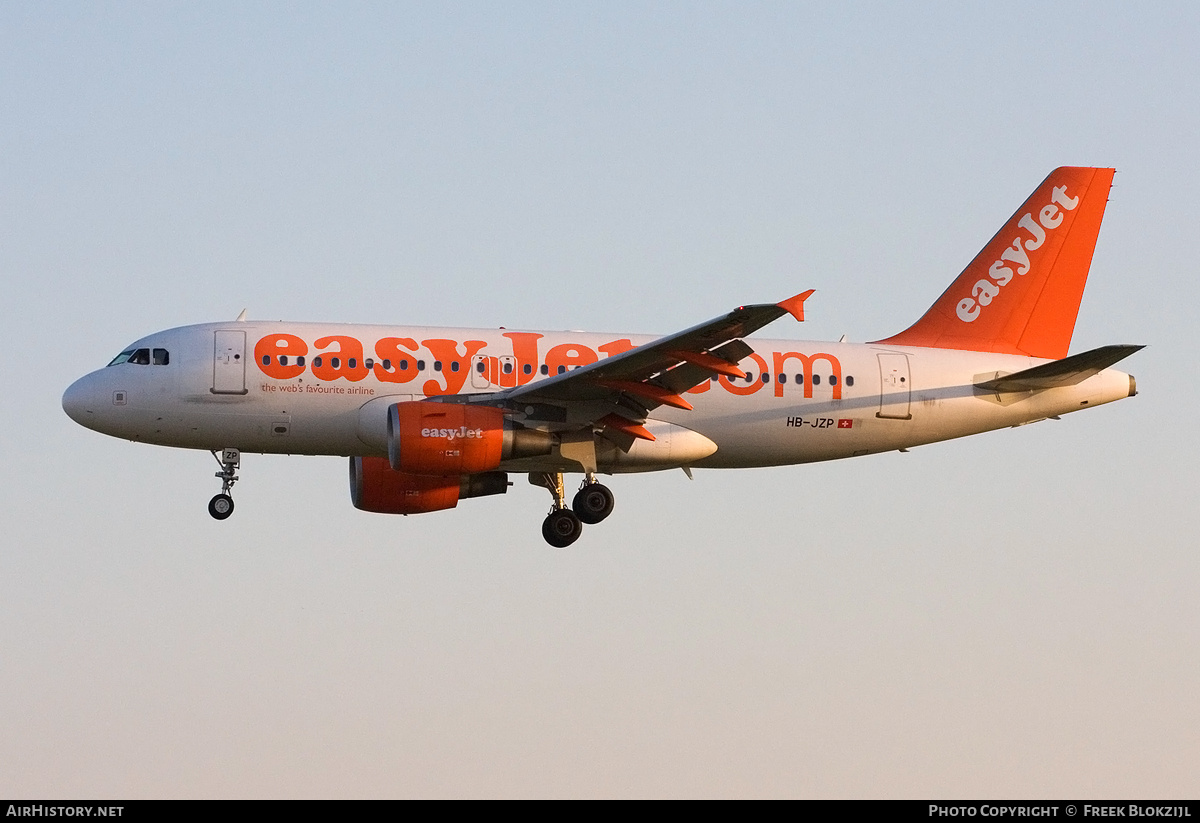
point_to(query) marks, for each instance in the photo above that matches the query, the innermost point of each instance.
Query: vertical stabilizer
(1021, 294)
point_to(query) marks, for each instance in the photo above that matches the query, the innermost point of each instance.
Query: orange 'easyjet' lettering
(269, 349)
(403, 363)
(454, 366)
(346, 362)
(568, 355)
(807, 361)
(751, 387)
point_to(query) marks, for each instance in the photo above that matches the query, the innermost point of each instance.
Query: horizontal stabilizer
(1065, 372)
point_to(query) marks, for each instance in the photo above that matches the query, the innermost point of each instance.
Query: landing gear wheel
(593, 503)
(221, 506)
(561, 528)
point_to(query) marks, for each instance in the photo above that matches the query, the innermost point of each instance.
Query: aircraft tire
(561, 528)
(593, 503)
(220, 507)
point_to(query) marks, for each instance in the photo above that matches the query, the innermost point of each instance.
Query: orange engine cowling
(430, 438)
(376, 487)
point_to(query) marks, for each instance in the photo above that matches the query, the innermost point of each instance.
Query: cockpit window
(143, 357)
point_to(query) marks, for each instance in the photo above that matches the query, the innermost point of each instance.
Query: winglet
(795, 305)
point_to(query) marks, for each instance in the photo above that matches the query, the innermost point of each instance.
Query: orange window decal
(403, 361)
(269, 349)
(455, 366)
(749, 388)
(807, 361)
(344, 362)
(617, 347)
(569, 355)
(525, 352)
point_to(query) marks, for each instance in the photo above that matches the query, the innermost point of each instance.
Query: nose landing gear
(221, 506)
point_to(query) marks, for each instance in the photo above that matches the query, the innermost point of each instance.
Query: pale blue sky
(1008, 615)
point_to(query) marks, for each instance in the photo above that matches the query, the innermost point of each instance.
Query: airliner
(431, 416)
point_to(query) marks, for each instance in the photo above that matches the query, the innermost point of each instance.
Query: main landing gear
(221, 506)
(592, 503)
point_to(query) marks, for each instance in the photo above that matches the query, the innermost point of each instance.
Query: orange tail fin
(1021, 294)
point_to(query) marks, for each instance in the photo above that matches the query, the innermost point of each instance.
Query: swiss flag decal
(845, 423)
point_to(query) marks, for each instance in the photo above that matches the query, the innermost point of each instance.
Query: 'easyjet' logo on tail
(1017, 254)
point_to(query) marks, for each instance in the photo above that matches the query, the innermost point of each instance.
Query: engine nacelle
(375, 487)
(431, 438)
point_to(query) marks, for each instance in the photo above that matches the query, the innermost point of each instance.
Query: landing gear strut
(562, 526)
(221, 506)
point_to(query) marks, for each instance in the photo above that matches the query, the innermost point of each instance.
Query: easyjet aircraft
(430, 416)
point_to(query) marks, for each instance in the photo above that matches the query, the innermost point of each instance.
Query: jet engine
(428, 438)
(375, 487)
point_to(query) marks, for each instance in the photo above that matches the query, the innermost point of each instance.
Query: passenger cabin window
(849, 380)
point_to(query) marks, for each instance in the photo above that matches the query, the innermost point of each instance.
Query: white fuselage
(802, 402)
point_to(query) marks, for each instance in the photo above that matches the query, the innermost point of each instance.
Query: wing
(616, 394)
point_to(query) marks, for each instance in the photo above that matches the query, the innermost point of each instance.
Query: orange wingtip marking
(710, 362)
(615, 421)
(795, 305)
(649, 391)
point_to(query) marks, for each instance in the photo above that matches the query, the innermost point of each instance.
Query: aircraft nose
(79, 401)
